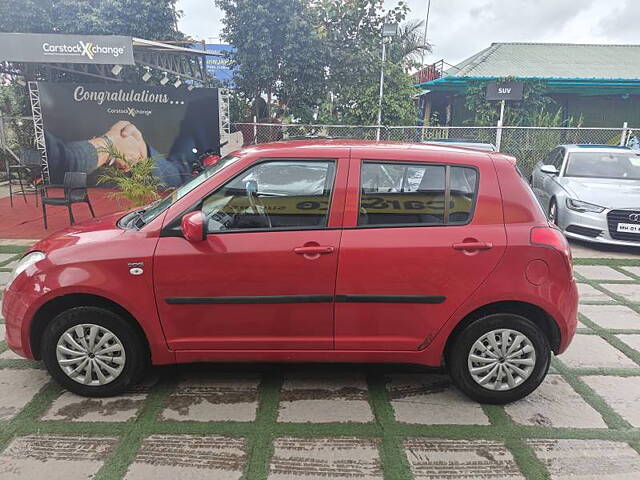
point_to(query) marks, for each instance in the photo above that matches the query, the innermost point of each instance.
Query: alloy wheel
(90, 354)
(501, 359)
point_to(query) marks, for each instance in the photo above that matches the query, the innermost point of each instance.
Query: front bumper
(591, 227)
(15, 306)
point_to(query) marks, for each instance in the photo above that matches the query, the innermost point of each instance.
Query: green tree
(278, 52)
(398, 105)
(150, 19)
(352, 31)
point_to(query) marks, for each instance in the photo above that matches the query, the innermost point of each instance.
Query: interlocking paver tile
(587, 459)
(325, 458)
(54, 457)
(621, 393)
(432, 400)
(328, 397)
(73, 408)
(600, 272)
(633, 340)
(5, 257)
(4, 278)
(435, 459)
(592, 351)
(612, 316)
(208, 397)
(10, 355)
(1, 332)
(17, 388)
(628, 291)
(591, 294)
(186, 457)
(555, 404)
(634, 270)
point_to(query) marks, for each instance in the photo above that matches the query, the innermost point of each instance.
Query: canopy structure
(102, 58)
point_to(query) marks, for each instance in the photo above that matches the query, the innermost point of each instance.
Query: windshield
(620, 166)
(153, 210)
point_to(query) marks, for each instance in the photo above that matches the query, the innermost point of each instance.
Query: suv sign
(505, 90)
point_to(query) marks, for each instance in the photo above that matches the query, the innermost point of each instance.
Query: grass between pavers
(260, 433)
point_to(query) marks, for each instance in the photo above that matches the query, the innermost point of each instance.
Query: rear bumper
(566, 317)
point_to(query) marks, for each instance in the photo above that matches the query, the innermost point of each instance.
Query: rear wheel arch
(532, 312)
(54, 307)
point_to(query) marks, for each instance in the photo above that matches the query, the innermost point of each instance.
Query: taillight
(554, 238)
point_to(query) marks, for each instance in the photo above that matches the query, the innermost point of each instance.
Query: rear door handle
(314, 250)
(472, 246)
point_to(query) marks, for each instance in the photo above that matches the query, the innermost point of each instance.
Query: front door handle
(472, 246)
(314, 250)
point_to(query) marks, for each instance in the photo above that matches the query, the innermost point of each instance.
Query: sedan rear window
(415, 194)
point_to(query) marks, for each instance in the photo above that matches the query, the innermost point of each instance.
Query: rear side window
(416, 194)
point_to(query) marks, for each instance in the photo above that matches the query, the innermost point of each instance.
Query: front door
(407, 262)
(265, 276)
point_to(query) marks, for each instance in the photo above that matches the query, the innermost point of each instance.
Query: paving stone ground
(301, 422)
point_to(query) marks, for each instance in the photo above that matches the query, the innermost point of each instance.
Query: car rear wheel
(93, 352)
(499, 358)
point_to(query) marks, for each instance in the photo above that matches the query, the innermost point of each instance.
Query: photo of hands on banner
(82, 132)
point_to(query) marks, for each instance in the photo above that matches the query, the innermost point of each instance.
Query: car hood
(607, 193)
(95, 230)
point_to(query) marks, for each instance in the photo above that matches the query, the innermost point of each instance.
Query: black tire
(459, 353)
(137, 357)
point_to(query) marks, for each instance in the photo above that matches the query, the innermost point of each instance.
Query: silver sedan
(592, 192)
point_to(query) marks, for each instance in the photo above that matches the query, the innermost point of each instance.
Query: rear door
(419, 238)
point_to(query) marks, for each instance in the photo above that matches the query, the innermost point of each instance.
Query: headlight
(24, 263)
(580, 206)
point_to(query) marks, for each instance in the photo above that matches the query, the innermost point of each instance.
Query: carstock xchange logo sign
(56, 48)
(89, 49)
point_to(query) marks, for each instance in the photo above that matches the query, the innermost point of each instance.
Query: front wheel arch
(55, 306)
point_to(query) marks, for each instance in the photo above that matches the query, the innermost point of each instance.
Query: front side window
(415, 194)
(287, 194)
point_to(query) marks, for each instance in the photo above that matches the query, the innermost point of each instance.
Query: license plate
(629, 228)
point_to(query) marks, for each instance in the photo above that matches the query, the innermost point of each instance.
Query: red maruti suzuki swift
(309, 251)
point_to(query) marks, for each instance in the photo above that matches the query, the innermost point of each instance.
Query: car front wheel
(499, 358)
(93, 352)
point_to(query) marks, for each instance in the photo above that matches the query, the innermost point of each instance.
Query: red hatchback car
(309, 251)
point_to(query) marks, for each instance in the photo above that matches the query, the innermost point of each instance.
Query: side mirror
(193, 226)
(550, 169)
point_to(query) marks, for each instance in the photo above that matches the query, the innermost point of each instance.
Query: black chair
(27, 171)
(75, 191)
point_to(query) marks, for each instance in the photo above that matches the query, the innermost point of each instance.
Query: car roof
(365, 147)
(581, 147)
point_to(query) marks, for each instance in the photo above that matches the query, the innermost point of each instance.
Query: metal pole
(381, 90)
(500, 122)
(426, 26)
(623, 136)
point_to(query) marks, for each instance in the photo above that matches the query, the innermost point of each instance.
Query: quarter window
(415, 194)
(273, 195)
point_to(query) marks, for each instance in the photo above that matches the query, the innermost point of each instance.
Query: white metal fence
(527, 144)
